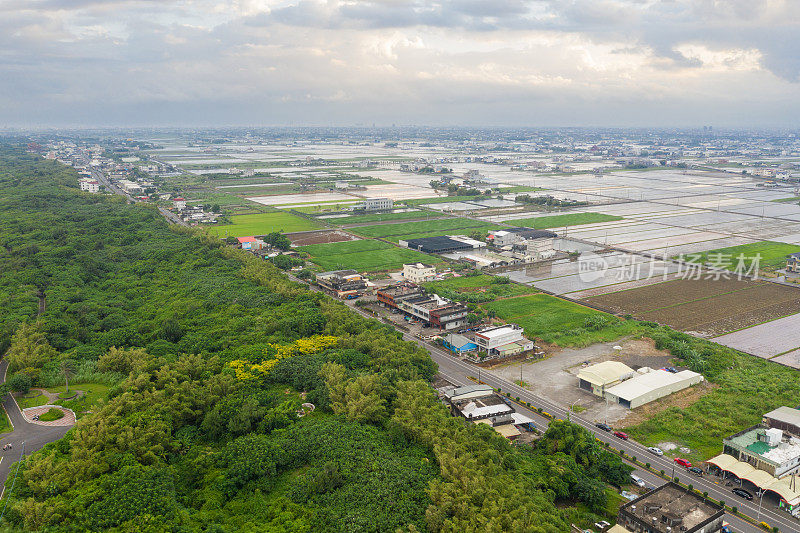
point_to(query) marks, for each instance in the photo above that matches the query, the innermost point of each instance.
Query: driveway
(32, 436)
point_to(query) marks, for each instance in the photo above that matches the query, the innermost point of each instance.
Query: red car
(621, 435)
(683, 462)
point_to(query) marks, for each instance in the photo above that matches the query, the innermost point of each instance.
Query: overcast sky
(452, 62)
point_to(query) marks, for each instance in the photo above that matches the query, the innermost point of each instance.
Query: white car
(637, 480)
(656, 451)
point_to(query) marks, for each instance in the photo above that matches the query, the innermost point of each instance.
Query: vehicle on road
(655, 451)
(601, 525)
(621, 435)
(637, 480)
(683, 462)
(743, 494)
(604, 427)
(696, 471)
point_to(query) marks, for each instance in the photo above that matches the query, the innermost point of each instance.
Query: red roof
(246, 239)
(178, 200)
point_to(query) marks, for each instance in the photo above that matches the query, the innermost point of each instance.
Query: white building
(502, 339)
(539, 249)
(179, 203)
(375, 204)
(89, 185)
(419, 272)
(131, 187)
(650, 385)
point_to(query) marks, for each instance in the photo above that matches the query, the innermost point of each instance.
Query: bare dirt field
(705, 307)
(319, 237)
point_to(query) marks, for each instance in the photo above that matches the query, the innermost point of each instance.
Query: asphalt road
(33, 436)
(459, 372)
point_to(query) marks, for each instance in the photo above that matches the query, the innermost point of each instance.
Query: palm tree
(68, 369)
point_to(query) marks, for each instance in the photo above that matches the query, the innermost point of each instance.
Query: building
(597, 378)
(179, 204)
(130, 187)
(246, 242)
(784, 418)
(479, 404)
(442, 244)
(793, 263)
(755, 479)
(767, 449)
(419, 272)
(393, 295)
(503, 341)
(650, 385)
(89, 185)
(342, 283)
(671, 509)
(436, 311)
(374, 204)
(458, 343)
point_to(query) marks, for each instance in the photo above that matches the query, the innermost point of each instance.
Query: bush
(734, 509)
(705, 494)
(20, 382)
(52, 414)
(647, 465)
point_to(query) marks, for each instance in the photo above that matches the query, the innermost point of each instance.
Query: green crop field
(379, 217)
(364, 256)
(561, 322)
(772, 255)
(263, 223)
(433, 227)
(559, 221)
(442, 200)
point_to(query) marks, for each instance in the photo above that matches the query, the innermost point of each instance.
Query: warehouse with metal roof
(597, 378)
(650, 386)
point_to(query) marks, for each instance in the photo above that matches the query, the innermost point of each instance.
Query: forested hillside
(209, 354)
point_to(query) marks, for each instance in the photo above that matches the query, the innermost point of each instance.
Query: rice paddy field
(263, 223)
(770, 255)
(364, 256)
(483, 285)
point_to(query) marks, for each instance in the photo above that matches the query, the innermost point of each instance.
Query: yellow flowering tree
(246, 370)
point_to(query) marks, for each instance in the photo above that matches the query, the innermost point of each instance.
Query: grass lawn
(5, 424)
(558, 321)
(559, 221)
(93, 393)
(24, 403)
(364, 256)
(379, 217)
(263, 223)
(433, 227)
(773, 255)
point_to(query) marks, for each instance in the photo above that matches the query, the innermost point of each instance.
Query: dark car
(604, 427)
(672, 369)
(696, 471)
(743, 494)
(621, 435)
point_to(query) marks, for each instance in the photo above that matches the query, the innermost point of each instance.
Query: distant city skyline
(505, 63)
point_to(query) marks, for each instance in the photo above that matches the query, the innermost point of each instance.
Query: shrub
(52, 414)
(734, 509)
(705, 494)
(20, 382)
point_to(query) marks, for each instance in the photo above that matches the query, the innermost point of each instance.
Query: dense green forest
(210, 354)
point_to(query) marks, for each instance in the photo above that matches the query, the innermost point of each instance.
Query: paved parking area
(67, 420)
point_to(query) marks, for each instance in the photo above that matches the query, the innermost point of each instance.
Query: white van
(636, 479)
